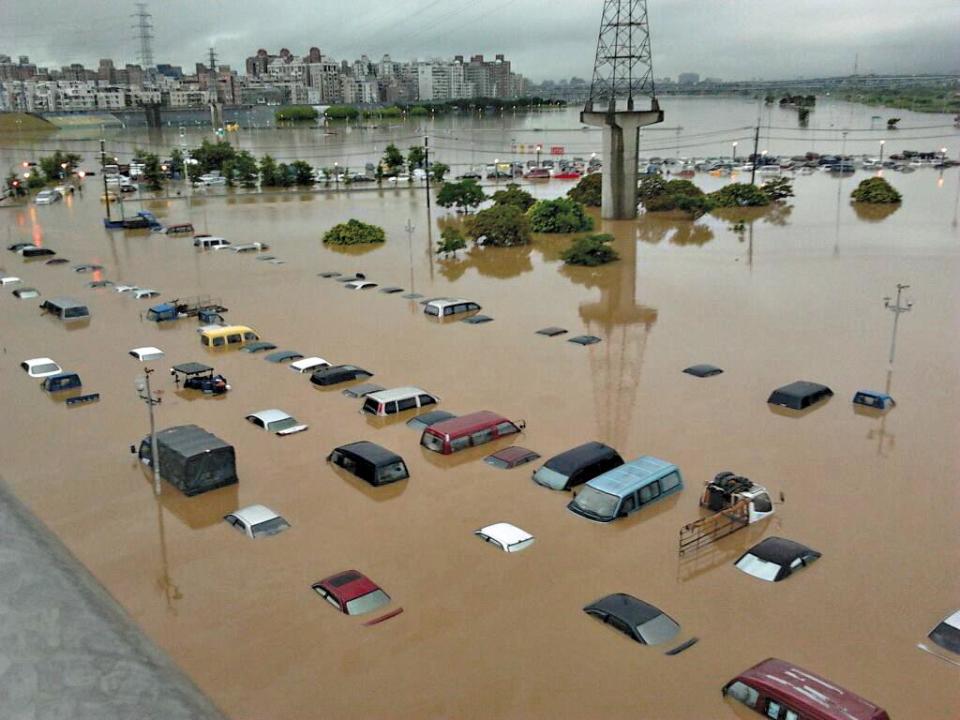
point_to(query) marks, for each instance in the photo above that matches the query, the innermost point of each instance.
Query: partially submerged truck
(735, 502)
(208, 310)
(191, 459)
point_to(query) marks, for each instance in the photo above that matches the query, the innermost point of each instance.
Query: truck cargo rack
(705, 531)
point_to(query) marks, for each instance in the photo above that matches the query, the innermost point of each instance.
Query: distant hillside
(14, 121)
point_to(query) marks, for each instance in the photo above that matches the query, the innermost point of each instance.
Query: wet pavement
(797, 294)
(68, 650)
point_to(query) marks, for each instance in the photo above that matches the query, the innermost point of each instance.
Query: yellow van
(228, 335)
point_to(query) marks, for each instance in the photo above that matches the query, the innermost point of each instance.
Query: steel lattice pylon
(623, 69)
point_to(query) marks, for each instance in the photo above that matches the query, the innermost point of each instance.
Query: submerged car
(256, 347)
(362, 390)
(774, 559)
(250, 247)
(339, 374)
(946, 636)
(353, 593)
(47, 197)
(277, 422)
(505, 536)
(421, 422)
(9, 280)
(27, 293)
(257, 521)
(445, 307)
(31, 252)
(146, 354)
(283, 356)
(40, 367)
(626, 489)
(638, 620)
(576, 466)
(511, 457)
(370, 462)
(308, 365)
(143, 293)
(360, 285)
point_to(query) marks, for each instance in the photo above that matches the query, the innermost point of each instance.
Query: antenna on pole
(144, 29)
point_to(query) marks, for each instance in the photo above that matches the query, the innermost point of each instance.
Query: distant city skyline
(740, 40)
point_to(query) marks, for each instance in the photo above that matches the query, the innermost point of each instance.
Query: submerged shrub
(561, 215)
(590, 250)
(875, 190)
(354, 232)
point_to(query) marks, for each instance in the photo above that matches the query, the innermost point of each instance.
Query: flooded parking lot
(796, 294)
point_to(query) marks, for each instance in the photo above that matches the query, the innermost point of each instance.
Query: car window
(233, 339)
(218, 342)
(506, 428)
(649, 492)
(773, 709)
(250, 336)
(389, 408)
(761, 503)
(459, 443)
(791, 715)
(432, 442)
(393, 471)
(460, 308)
(670, 482)
(406, 403)
(744, 693)
(481, 436)
(371, 406)
(618, 624)
(431, 310)
(629, 504)
(448, 310)
(256, 421)
(427, 400)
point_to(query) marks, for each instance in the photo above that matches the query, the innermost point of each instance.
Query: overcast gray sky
(546, 39)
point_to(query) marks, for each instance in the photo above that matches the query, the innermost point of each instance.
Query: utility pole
(103, 174)
(756, 145)
(426, 164)
(143, 386)
(897, 310)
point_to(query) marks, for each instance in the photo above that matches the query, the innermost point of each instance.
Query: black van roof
(799, 395)
(190, 440)
(567, 462)
(371, 452)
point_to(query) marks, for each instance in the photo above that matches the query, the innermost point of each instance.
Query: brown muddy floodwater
(797, 295)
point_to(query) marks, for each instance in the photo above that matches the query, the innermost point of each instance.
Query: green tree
(588, 191)
(464, 195)
(302, 173)
(515, 196)
(739, 195)
(650, 186)
(341, 112)
(152, 175)
(269, 172)
(35, 178)
(778, 189)
(416, 157)
(296, 113)
(59, 165)
(176, 161)
(875, 190)
(392, 159)
(500, 225)
(242, 170)
(354, 232)
(211, 156)
(451, 241)
(590, 250)
(285, 175)
(561, 215)
(439, 171)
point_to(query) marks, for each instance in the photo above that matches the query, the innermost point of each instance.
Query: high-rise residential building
(688, 78)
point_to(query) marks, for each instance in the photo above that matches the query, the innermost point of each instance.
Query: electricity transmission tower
(622, 79)
(144, 29)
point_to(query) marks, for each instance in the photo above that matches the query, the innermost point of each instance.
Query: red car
(353, 593)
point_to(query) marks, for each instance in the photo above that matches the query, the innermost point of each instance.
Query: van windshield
(432, 442)
(393, 471)
(596, 503)
(550, 478)
(75, 312)
(371, 406)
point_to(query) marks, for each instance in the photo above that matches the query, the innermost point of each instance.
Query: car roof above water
(394, 394)
(627, 477)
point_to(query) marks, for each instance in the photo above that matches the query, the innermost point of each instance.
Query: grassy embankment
(15, 122)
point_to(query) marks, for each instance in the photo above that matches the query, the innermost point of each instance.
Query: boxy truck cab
(459, 433)
(782, 691)
(626, 489)
(208, 242)
(67, 309)
(445, 307)
(228, 335)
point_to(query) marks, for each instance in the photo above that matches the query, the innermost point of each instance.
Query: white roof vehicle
(46, 197)
(276, 421)
(40, 367)
(309, 364)
(9, 280)
(125, 288)
(142, 293)
(257, 520)
(505, 536)
(359, 285)
(250, 247)
(444, 307)
(147, 353)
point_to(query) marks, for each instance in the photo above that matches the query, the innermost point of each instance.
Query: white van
(208, 242)
(390, 402)
(445, 307)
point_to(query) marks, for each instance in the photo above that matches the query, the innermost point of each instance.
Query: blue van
(626, 489)
(61, 381)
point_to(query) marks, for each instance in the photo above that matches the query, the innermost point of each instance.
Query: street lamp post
(539, 148)
(897, 309)
(143, 388)
(496, 170)
(882, 143)
(336, 175)
(734, 151)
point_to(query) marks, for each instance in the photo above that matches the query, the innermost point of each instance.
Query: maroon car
(353, 593)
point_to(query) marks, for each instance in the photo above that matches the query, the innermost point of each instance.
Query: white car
(142, 293)
(40, 367)
(359, 285)
(47, 197)
(211, 180)
(9, 280)
(308, 365)
(505, 536)
(250, 247)
(124, 288)
(146, 354)
(276, 421)
(399, 178)
(257, 520)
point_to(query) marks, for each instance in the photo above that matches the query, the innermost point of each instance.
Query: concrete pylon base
(621, 139)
